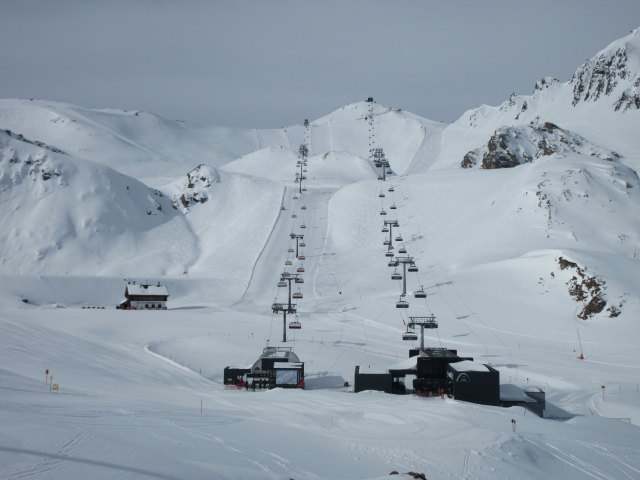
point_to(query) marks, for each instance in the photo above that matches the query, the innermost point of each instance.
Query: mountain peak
(614, 71)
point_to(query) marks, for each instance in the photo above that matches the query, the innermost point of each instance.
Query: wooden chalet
(140, 296)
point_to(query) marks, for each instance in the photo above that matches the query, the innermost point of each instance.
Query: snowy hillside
(521, 221)
(62, 215)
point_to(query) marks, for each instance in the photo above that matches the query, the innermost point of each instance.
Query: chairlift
(303, 207)
(380, 177)
(396, 276)
(382, 212)
(299, 280)
(409, 335)
(293, 215)
(304, 189)
(295, 197)
(389, 172)
(391, 188)
(420, 293)
(412, 268)
(297, 295)
(386, 242)
(385, 230)
(402, 303)
(295, 325)
(288, 262)
(393, 207)
(389, 253)
(402, 250)
(381, 195)
(290, 250)
(399, 238)
(302, 244)
(303, 226)
(282, 283)
(300, 269)
(304, 170)
(301, 257)
(393, 263)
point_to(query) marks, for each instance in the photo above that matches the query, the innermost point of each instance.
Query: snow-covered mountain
(62, 215)
(522, 219)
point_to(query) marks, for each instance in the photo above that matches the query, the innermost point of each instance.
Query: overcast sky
(265, 63)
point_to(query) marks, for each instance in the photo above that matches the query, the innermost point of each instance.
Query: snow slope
(516, 262)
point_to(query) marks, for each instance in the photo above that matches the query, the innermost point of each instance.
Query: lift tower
(286, 307)
(422, 322)
(297, 237)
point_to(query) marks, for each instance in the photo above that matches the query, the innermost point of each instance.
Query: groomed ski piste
(141, 393)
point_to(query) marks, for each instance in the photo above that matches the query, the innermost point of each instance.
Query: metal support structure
(303, 153)
(285, 307)
(297, 237)
(404, 261)
(422, 322)
(391, 224)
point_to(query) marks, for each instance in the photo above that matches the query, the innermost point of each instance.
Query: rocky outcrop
(197, 187)
(509, 147)
(588, 290)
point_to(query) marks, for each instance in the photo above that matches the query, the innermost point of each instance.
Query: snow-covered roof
(469, 366)
(408, 364)
(139, 289)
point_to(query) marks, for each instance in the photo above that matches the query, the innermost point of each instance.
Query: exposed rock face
(21, 138)
(197, 186)
(588, 290)
(611, 70)
(509, 147)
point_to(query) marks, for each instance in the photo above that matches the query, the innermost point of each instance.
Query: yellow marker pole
(603, 387)
(50, 381)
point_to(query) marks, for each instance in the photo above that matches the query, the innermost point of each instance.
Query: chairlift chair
(300, 269)
(301, 257)
(282, 283)
(304, 189)
(295, 197)
(293, 215)
(303, 207)
(288, 262)
(410, 335)
(396, 276)
(303, 226)
(302, 244)
(380, 177)
(393, 207)
(392, 263)
(290, 250)
(385, 230)
(389, 253)
(381, 195)
(299, 280)
(386, 242)
(402, 250)
(382, 212)
(297, 295)
(399, 238)
(391, 188)
(402, 303)
(420, 293)
(412, 268)
(295, 325)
